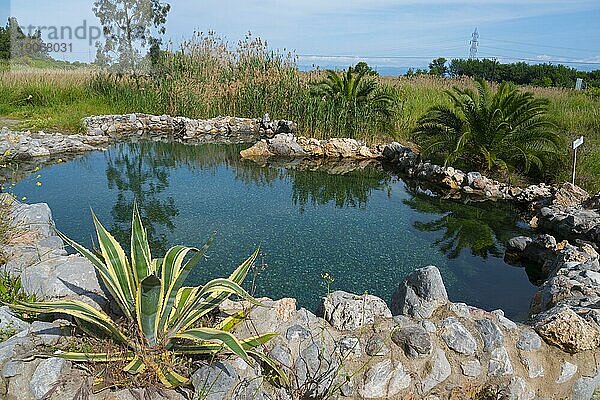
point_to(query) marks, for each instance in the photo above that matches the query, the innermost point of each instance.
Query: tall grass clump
(207, 77)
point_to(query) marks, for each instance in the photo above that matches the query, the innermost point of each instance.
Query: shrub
(505, 130)
(161, 317)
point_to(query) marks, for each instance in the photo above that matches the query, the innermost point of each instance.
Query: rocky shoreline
(423, 345)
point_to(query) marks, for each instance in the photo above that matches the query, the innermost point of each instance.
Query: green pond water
(366, 227)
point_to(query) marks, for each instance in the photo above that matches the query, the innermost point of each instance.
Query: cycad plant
(161, 317)
(500, 131)
(356, 95)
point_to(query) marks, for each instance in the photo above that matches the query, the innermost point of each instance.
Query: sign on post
(576, 144)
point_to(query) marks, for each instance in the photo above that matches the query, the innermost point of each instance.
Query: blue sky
(384, 32)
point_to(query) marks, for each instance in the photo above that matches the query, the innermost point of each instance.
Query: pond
(362, 224)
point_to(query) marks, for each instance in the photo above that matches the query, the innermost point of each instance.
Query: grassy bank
(211, 80)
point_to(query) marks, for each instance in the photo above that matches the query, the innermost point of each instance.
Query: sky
(385, 33)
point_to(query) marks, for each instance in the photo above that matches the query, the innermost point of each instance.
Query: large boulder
(33, 218)
(347, 312)
(64, 277)
(420, 294)
(569, 195)
(565, 329)
(285, 145)
(259, 150)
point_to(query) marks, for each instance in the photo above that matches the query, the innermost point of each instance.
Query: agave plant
(504, 130)
(160, 315)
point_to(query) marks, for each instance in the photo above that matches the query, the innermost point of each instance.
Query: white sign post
(576, 144)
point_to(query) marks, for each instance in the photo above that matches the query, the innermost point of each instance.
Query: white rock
(46, 376)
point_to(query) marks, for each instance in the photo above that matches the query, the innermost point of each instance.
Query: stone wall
(165, 127)
(422, 346)
(26, 146)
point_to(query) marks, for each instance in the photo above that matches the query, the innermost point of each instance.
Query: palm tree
(355, 93)
(505, 130)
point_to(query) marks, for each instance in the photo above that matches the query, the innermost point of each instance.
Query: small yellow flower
(7, 153)
(38, 177)
(36, 169)
(59, 160)
(38, 183)
(23, 198)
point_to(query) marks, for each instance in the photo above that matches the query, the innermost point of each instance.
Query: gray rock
(18, 344)
(529, 340)
(414, 340)
(541, 249)
(282, 355)
(315, 371)
(535, 369)
(392, 151)
(71, 277)
(429, 326)
(518, 244)
(350, 346)
(440, 369)
(48, 332)
(12, 368)
(567, 372)
(420, 294)
(401, 380)
(34, 218)
(348, 312)
(215, 381)
(505, 322)
(403, 320)
(518, 389)
(584, 387)
(47, 375)
(297, 332)
(376, 346)
(285, 145)
(9, 321)
(500, 363)
(472, 368)
(491, 334)
(460, 310)
(457, 337)
(384, 380)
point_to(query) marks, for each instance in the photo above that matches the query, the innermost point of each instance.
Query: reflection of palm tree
(139, 171)
(351, 189)
(480, 227)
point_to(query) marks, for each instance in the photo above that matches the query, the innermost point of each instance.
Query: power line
(535, 45)
(511, 58)
(523, 51)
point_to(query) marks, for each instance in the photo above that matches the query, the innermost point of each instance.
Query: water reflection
(140, 171)
(481, 227)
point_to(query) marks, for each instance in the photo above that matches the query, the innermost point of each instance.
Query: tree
(355, 94)
(505, 130)
(15, 44)
(363, 67)
(130, 26)
(438, 67)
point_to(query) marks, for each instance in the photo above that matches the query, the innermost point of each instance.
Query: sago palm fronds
(490, 131)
